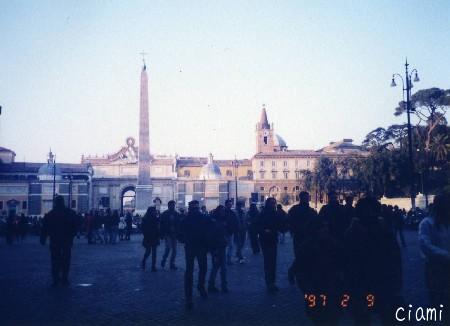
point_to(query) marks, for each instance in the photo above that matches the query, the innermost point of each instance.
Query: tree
(430, 106)
(308, 179)
(325, 175)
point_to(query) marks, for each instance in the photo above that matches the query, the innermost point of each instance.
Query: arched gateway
(128, 199)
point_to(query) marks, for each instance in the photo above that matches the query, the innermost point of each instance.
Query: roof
(344, 146)
(25, 167)
(4, 149)
(264, 123)
(200, 161)
(279, 141)
(288, 153)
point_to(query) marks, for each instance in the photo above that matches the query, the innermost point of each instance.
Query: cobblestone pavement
(108, 287)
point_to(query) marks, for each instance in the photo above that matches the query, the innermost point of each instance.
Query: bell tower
(264, 134)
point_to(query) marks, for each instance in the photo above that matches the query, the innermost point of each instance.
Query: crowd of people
(342, 251)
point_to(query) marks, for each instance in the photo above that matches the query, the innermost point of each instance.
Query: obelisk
(144, 184)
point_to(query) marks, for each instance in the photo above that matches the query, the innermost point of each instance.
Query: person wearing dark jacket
(241, 232)
(283, 216)
(299, 219)
(319, 274)
(170, 228)
(252, 221)
(269, 224)
(219, 226)
(194, 232)
(372, 263)
(232, 229)
(334, 214)
(129, 226)
(60, 226)
(150, 230)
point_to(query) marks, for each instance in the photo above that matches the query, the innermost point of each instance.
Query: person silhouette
(252, 221)
(220, 223)
(269, 225)
(60, 226)
(194, 233)
(299, 218)
(434, 240)
(170, 228)
(150, 230)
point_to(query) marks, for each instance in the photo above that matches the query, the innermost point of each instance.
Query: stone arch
(128, 192)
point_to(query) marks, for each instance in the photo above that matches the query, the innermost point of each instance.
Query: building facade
(112, 181)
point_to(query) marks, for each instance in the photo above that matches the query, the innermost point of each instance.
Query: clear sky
(69, 71)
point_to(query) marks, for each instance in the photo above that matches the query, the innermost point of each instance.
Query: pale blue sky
(69, 71)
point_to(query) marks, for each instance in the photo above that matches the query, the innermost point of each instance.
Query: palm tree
(439, 147)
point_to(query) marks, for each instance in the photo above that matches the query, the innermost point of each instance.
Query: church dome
(210, 171)
(279, 141)
(46, 171)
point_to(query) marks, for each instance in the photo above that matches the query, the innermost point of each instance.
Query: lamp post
(407, 85)
(236, 165)
(70, 191)
(54, 178)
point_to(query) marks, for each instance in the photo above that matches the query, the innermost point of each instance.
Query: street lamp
(236, 166)
(407, 85)
(70, 191)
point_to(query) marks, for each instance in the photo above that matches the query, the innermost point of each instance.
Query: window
(24, 205)
(274, 175)
(229, 173)
(82, 189)
(297, 188)
(307, 163)
(73, 204)
(285, 164)
(286, 175)
(297, 175)
(104, 201)
(262, 188)
(261, 175)
(1, 204)
(274, 164)
(199, 187)
(261, 164)
(285, 188)
(186, 173)
(263, 198)
(250, 173)
(265, 140)
(181, 187)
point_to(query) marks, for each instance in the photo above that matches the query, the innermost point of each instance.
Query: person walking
(121, 228)
(194, 232)
(283, 216)
(434, 241)
(60, 226)
(219, 226)
(150, 230)
(129, 226)
(170, 229)
(269, 225)
(241, 232)
(23, 226)
(114, 226)
(231, 216)
(299, 219)
(252, 221)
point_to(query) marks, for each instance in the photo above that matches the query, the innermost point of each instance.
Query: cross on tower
(143, 56)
